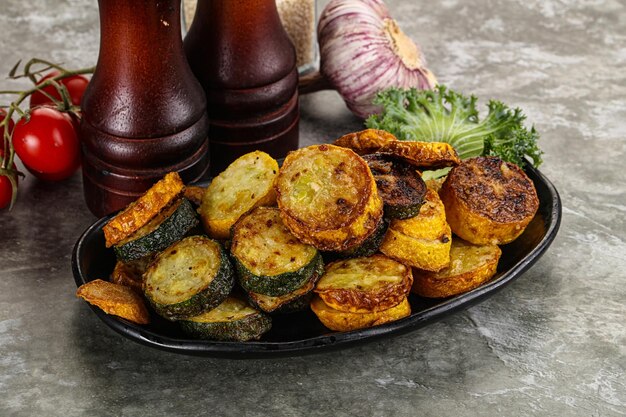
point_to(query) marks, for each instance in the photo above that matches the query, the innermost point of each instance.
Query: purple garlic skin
(363, 51)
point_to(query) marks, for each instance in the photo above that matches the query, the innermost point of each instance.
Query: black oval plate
(299, 333)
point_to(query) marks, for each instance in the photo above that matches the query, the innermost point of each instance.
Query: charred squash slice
(232, 320)
(269, 259)
(343, 321)
(190, 277)
(361, 285)
(327, 197)
(489, 201)
(169, 226)
(247, 183)
(399, 184)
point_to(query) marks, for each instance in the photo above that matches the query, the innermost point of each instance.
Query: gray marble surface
(551, 344)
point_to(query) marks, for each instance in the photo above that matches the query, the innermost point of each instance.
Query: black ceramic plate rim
(332, 339)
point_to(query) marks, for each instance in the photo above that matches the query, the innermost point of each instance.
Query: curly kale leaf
(443, 115)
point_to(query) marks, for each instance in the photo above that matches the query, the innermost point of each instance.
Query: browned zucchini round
(232, 320)
(190, 277)
(399, 184)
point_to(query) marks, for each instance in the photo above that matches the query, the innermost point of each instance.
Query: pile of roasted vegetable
(347, 230)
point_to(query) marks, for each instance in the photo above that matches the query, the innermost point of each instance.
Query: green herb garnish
(443, 115)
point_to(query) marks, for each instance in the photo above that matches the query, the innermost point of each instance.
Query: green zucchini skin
(171, 230)
(233, 320)
(209, 298)
(281, 284)
(402, 212)
(297, 300)
(370, 246)
(251, 327)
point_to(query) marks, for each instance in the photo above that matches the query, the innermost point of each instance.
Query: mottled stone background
(551, 344)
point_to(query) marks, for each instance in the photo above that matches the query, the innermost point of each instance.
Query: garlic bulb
(363, 51)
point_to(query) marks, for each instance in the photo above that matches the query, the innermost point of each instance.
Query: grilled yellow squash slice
(470, 266)
(115, 299)
(342, 321)
(489, 201)
(362, 285)
(431, 155)
(428, 254)
(422, 241)
(141, 211)
(247, 183)
(328, 197)
(430, 223)
(366, 141)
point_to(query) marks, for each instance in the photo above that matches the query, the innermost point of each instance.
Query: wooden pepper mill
(144, 112)
(242, 56)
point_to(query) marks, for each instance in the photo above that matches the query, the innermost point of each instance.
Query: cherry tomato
(3, 115)
(47, 144)
(5, 185)
(75, 85)
(6, 190)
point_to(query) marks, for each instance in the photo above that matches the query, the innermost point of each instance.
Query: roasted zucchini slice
(430, 155)
(269, 259)
(281, 284)
(470, 266)
(293, 301)
(188, 278)
(232, 320)
(366, 141)
(399, 184)
(370, 246)
(141, 211)
(247, 183)
(343, 321)
(169, 226)
(489, 201)
(361, 285)
(115, 299)
(328, 197)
